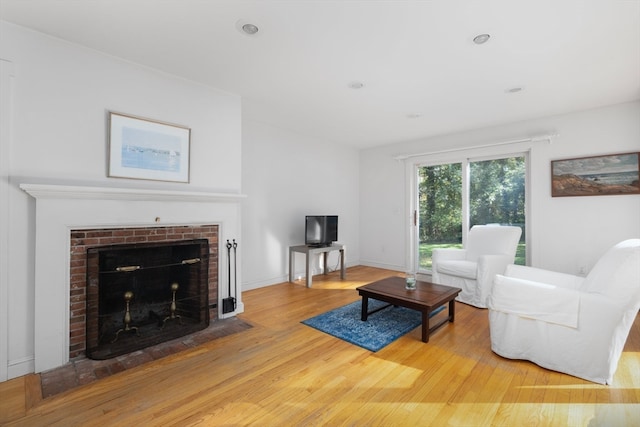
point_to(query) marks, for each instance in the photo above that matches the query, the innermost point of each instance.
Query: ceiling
(422, 74)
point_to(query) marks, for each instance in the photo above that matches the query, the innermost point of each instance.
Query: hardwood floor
(282, 373)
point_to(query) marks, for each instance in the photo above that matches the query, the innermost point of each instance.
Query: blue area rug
(380, 329)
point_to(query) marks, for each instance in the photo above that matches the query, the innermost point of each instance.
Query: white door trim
(6, 120)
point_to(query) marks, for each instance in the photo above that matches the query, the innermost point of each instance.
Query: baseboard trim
(20, 367)
(382, 265)
(285, 278)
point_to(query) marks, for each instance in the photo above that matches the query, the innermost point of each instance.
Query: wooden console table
(309, 251)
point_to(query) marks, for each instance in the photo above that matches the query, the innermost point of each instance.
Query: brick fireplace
(69, 219)
(81, 240)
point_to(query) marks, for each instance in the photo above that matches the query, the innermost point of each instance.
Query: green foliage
(496, 191)
(440, 201)
(496, 195)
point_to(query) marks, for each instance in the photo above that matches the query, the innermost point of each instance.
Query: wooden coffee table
(425, 298)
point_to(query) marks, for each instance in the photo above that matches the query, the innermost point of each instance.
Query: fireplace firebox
(139, 295)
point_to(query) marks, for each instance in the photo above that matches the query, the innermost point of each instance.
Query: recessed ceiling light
(515, 89)
(247, 28)
(250, 29)
(481, 38)
(355, 85)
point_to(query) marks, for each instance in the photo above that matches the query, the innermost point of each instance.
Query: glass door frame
(470, 156)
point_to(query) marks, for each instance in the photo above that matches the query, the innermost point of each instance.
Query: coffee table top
(426, 293)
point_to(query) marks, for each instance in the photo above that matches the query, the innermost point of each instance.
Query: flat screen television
(320, 230)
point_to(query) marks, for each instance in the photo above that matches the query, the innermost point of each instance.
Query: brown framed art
(596, 176)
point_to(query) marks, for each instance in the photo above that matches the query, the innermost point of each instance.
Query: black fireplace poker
(229, 303)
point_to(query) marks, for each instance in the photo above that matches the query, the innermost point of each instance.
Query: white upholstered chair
(571, 324)
(487, 252)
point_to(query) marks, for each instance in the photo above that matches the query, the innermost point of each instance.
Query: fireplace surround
(63, 209)
(87, 246)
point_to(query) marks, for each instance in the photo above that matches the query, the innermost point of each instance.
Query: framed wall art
(596, 176)
(148, 149)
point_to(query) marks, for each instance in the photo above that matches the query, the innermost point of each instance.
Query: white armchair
(571, 324)
(488, 251)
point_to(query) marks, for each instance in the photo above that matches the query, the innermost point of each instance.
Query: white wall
(285, 177)
(62, 93)
(567, 233)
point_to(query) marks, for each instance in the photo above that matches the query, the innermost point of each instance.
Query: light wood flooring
(282, 373)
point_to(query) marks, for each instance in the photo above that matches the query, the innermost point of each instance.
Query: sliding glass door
(439, 210)
(452, 197)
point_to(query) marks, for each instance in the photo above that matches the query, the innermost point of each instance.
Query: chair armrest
(441, 254)
(568, 281)
(445, 254)
(535, 300)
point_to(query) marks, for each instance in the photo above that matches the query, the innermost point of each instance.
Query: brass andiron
(127, 318)
(172, 307)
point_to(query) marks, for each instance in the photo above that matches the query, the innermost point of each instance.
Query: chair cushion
(466, 269)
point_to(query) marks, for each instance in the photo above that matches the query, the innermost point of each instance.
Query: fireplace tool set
(229, 303)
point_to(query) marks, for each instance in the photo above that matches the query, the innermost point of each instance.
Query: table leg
(324, 262)
(308, 277)
(425, 326)
(365, 308)
(291, 266)
(452, 310)
(342, 273)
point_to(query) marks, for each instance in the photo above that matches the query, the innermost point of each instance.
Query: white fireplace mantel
(112, 193)
(62, 208)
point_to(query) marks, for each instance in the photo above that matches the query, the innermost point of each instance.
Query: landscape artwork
(150, 150)
(147, 149)
(596, 176)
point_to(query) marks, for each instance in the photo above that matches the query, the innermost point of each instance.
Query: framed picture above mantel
(148, 149)
(596, 176)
